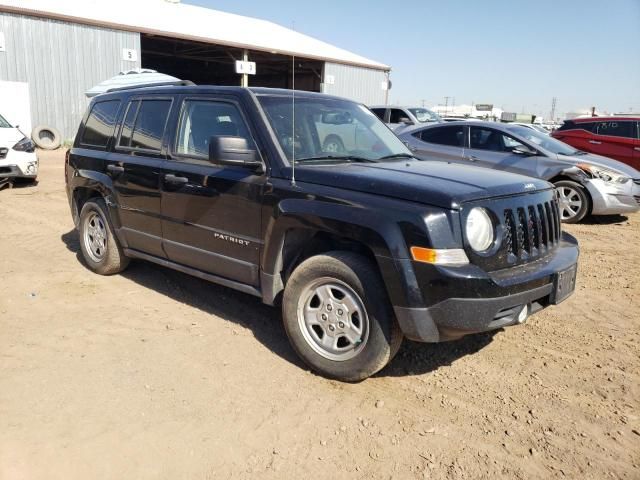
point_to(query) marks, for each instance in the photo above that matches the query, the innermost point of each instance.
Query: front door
(135, 167)
(442, 142)
(211, 213)
(492, 148)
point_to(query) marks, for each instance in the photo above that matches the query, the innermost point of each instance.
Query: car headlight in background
(603, 174)
(479, 229)
(24, 145)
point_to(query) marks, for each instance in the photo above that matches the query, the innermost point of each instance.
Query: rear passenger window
(100, 124)
(202, 119)
(397, 114)
(144, 124)
(453, 136)
(615, 129)
(379, 112)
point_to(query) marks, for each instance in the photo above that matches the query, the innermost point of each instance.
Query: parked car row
(583, 167)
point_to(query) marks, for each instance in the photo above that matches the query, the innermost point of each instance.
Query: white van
(17, 153)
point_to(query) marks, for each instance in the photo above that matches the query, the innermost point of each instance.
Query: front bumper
(613, 198)
(19, 164)
(487, 302)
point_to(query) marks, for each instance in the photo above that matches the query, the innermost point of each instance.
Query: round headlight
(479, 229)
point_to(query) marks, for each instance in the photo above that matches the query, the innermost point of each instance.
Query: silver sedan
(586, 183)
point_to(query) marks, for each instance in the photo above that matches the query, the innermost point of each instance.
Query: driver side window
(481, 138)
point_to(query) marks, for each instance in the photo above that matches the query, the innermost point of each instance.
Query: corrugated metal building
(63, 48)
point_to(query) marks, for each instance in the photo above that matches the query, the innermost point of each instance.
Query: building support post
(245, 77)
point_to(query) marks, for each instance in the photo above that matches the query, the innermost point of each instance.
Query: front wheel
(573, 201)
(338, 317)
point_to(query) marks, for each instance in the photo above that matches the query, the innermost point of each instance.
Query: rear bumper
(496, 304)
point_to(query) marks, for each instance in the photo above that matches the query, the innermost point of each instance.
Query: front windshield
(329, 128)
(424, 116)
(543, 140)
(4, 123)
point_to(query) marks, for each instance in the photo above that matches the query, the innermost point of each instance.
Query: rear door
(211, 213)
(614, 139)
(493, 148)
(135, 166)
(444, 142)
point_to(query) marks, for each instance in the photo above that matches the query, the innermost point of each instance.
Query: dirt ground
(154, 374)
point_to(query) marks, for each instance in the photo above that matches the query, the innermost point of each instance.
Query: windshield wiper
(350, 158)
(397, 155)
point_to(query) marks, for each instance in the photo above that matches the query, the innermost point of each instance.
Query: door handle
(115, 168)
(637, 149)
(595, 142)
(472, 158)
(173, 179)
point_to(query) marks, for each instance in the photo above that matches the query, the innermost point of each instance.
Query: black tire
(46, 138)
(356, 272)
(333, 143)
(112, 259)
(579, 192)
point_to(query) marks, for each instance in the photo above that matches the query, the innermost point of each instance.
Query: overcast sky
(516, 54)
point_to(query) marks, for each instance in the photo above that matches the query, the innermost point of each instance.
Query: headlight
(603, 173)
(24, 145)
(479, 229)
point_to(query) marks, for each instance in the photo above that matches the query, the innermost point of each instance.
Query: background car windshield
(543, 140)
(329, 127)
(4, 123)
(423, 115)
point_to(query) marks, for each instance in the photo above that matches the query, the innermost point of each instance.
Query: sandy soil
(154, 374)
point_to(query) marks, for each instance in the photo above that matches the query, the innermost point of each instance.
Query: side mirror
(524, 150)
(227, 150)
(405, 120)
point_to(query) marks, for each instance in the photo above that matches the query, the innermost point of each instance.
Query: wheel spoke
(353, 336)
(311, 315)
(328, 342)
(324, 293)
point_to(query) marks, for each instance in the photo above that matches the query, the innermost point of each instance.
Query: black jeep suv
(311, 202)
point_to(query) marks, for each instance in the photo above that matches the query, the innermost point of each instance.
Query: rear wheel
(573, 201)
(338, 317)
(100, 248)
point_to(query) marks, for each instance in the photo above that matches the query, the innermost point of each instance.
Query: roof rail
(179, 83)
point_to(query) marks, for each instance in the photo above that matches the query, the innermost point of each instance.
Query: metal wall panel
(356, 83)
(60, 61)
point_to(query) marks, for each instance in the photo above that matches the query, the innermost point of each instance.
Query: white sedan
(17, 153)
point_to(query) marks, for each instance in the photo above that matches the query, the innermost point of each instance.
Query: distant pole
(423, 102)
(553, 108)
(446, 104)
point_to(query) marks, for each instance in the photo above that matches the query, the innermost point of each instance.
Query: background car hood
(600, 161)
(9, 137)
(435, 183)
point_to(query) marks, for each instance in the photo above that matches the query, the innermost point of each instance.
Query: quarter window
(201, 119)
(144, 124)
(453, 136)
(615, 128)
(100, 124)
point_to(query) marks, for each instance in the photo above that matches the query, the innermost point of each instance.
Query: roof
(190, 22)
(602, 119)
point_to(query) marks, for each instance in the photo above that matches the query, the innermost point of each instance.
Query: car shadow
(604, 219)
(265, 322)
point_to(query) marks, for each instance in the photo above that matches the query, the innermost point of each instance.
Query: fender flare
(386, 243)
(101, 183)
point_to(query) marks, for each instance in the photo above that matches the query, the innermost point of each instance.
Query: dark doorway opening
(208, 64)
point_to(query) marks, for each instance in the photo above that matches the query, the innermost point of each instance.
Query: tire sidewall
(377, 351)
(114, 260)
(584, 210)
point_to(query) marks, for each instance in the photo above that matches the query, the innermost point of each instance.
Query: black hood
(435, 183)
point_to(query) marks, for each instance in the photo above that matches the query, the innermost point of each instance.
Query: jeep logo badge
(529, 186)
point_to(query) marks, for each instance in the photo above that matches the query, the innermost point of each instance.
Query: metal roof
(189, 22)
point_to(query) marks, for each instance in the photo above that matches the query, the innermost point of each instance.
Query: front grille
(528, 229)
(536, 230)
(3, 152)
